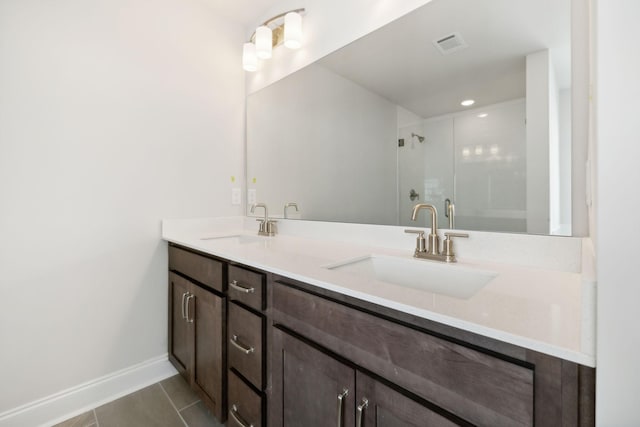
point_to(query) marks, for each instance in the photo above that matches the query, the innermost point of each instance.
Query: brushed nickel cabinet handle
(341, 397)
(184, 296)
(189, 297)
(242, 348)
(235, 285)
(364, 404)
(237, 417)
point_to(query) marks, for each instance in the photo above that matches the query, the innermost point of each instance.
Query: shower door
(476, 159)
(491, 168)
(427, 168)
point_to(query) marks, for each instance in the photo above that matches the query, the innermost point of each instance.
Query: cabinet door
(316, 389)
(378, 405)
(207, 314)
(179, 330)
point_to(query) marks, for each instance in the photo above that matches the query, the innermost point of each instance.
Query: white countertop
(541, 304)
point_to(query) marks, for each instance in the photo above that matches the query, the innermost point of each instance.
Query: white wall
(564, 160)
(538, 134)
(618, 175)
(113, 115)
(554, 151)
(292, 161)
(582, 219)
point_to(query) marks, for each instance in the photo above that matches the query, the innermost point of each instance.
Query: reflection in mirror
(367, 132)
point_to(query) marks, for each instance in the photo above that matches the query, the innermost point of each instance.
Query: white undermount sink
(236, 238)
(431, 276)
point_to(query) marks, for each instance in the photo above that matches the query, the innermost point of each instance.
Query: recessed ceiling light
(467, 102)
(483, 115)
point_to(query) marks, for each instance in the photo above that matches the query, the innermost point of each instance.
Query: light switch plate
(251, 196)
(236, 196)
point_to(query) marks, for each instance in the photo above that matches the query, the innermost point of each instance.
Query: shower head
(420, 138)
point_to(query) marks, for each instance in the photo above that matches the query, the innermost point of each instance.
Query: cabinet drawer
(202, 269)
(474, 385)
(245, 406)
(245, 332)
(247, 287)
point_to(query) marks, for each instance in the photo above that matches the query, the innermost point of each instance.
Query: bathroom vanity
(267, 340)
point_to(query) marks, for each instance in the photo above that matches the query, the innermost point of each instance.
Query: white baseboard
(84, 397)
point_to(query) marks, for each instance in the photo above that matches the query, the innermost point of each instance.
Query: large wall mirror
(365, 133)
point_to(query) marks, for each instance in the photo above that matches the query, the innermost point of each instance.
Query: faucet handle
(421, 244)
(271, 228)
(448, 252)
(263, 226)
(414, 231)
(449, 235)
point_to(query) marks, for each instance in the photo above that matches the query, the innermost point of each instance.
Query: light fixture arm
(278, 30)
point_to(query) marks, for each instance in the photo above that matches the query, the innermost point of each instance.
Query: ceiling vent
(450, 43)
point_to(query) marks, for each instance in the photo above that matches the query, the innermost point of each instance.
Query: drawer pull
(236, 344)
(184, 296)
(235, 285)
(237, 417)
(189, 297)
(341, 397)
(360, 410)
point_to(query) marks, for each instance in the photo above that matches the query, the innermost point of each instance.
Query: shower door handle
(449, 212)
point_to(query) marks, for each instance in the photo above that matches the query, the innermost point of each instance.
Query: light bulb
(264, 42)
(293, 30)
(249, 58)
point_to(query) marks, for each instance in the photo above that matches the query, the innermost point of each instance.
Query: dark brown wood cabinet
(314, 388)
(246, 330)
(379, 405)
(246, 407)
(286, 353)
(180, 337)
(208, 321)
(409, 371)
(197, 330)
(318, 390)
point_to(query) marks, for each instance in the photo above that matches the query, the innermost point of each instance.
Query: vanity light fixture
(249, 57)
(264, 37)
(467, 102)
(283, 28)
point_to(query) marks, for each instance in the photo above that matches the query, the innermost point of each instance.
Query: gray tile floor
(169, 403)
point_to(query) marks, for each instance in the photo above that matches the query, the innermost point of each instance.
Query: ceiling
(400, 62)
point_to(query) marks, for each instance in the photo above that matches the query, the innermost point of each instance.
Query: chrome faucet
(290, 205)
(430, 248)
(267, 226)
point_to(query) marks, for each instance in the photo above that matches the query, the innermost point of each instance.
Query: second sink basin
(447, 279)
